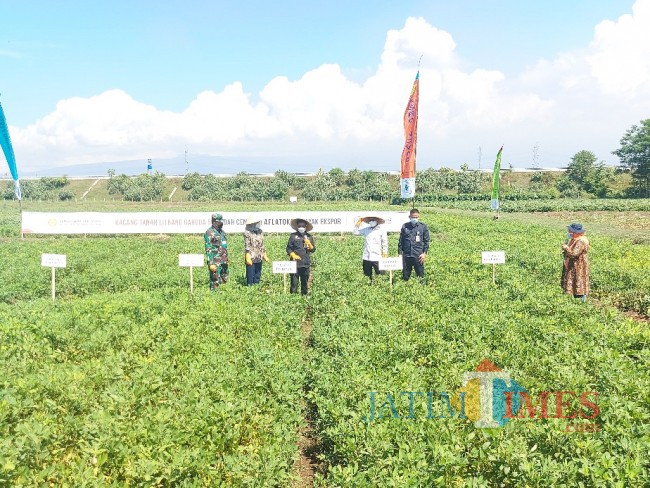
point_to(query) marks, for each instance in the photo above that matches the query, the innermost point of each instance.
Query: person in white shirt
(375, 245)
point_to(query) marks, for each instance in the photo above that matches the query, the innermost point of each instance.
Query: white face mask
(414, 220)
(302, 229)
(256, 226)
(372, 223)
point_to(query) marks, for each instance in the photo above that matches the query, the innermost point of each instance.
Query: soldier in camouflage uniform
(216, 252)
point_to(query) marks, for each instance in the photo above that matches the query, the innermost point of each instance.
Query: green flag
(494, 203)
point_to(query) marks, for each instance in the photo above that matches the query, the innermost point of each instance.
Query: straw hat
(253, 220)
(379, 220)
(294, 224)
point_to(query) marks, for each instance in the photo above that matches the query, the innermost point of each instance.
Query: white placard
(191, 260)
(284, 267)
(293, 199)
(493, 257)
(53, 260)
(391, 264)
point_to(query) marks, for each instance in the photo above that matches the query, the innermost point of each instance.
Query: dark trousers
(253, 273)
(302, 275)
(219, 276)
(409, 264)
(368, 266)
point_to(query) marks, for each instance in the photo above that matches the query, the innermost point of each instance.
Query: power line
(536, 156)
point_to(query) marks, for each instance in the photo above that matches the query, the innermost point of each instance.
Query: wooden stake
(20, 206)
(53, 282)
(284, 279)
(191, 281)
(494, 268)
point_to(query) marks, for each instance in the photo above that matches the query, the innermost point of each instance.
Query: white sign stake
(53, 261)
(493, 258)
(284, 268)
(390, 265)
(190, 261)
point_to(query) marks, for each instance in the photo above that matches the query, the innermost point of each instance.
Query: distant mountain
(200, 163)
(171, 166)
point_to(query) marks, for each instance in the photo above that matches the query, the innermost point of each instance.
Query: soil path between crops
(307, 464)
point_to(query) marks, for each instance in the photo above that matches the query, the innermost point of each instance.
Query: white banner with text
(195, 222)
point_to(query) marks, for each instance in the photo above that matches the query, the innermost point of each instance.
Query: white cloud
(621, 52)
(584, 99)
(323, 102)
(418, 38)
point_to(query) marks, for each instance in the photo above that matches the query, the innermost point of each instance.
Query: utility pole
(536, 156)
(479, 157)
(187, 168)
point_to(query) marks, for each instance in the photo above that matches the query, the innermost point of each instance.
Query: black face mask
(218, 226)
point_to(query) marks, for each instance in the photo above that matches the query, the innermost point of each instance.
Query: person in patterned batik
(216, 252)
(254, 251)
(575, 269)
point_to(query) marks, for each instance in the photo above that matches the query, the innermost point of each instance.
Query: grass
(128, 379)
(631, 226)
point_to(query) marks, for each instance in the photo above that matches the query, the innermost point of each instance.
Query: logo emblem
(485, 399)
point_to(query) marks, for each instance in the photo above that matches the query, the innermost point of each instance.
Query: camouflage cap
(217, 216)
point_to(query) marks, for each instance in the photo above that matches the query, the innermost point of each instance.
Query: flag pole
(8, 150)
(415, 148)
(407, 163)
(20, 220)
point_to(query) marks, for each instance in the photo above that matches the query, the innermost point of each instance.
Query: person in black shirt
(413, 245)
(299, 248)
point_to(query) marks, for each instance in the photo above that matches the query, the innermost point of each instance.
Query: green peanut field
(127, 379)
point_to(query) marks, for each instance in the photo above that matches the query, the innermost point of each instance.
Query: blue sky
(321, 83)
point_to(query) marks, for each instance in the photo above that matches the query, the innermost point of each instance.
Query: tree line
(584, 177)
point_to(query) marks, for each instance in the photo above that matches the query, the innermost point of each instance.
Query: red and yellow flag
(407, 178)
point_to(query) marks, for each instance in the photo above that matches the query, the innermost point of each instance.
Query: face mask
(372, 223)
(219, 225)
(302, 229)
(256, 226)
(569, 236)
(414, 220)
